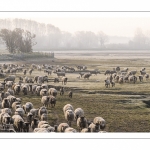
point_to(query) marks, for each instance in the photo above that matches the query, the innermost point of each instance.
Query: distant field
(125, 107)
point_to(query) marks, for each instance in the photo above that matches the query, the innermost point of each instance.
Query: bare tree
(102, 38)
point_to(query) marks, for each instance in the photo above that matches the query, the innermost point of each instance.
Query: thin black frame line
(75, 11)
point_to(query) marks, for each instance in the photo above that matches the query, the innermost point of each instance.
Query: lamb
(67, 107)
(64, 80)
(43, 92)
(52, 91)
(81, 123)
(27, 107)
(69, 116)
(100, 121)
(45, 100)
(78, 113)
(62, 127)
(20, 111)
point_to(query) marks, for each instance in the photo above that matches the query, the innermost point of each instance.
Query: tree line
(51, 37)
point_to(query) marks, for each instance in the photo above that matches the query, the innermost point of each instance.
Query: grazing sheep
(62, 91)
(62, 127)
(120, 80)
(5, 103)
(34, 112)
(25, 89)
(44, 117)
(11, 91)
(94, 127)
(69, 116)
(140, 78)
(132, 72)
(64, 80)
(9, 84)
(143, 69)
(100, 121)
(107, 83)
(107, 72)
(16, 105)
(27, 107)
(132, 79)
(45, 100)
(70, 130)
(67, 107)
(52, 91)
(20, 111)
(42, 123)
(112, 83)
(11, 99)
(10, 78)
(37, 90)
(81, 123)
(43, 92)
(34, 123)
(147, 76)
(78, 113)
(42, 110)
(142, 72)
(86, 75)
(52, 101)
(17, 89)
(18, 123)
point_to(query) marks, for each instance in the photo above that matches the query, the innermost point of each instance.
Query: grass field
(125, 107)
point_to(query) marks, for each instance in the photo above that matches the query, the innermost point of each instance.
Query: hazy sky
(119, 24)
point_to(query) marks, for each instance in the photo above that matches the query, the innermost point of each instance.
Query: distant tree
(18, 40)
(102, 38)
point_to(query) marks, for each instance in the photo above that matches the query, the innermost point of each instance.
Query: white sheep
(78, 113)
(62, 127)
(70, 130)
(81, 123)
(69, 116)
(100, 121)
(53, 92)
(67, 107)
(41, 111)
(20, 111)
(27, 107)
(43, 92)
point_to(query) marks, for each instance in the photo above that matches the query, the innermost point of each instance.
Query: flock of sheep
(16, 116)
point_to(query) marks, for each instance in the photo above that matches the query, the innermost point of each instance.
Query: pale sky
(113, 24)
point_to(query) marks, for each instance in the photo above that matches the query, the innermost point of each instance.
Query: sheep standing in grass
(52, 101)
(52, 91)
(100, 121)
(94, 127)
(43, 92)
(5, 103)
(17, 89)
(20, 111)
(81, 123)
(27, 107)
(69, 116)
(44, 117)
(67, 107)
(34, 111)
(146, 76)
(34, 123)
(16, 105)
(18, 123)
(78, 113)
(64, 80)
(37, 90)
(11, 91)
(62, 127)
(45, 100)
(107, 83)
(41, 111)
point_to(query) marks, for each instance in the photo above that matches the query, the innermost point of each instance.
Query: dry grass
(125, 107)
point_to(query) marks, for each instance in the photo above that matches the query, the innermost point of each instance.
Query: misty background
(51, 37)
